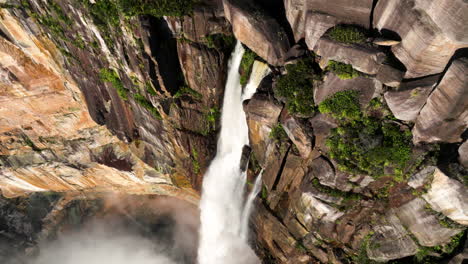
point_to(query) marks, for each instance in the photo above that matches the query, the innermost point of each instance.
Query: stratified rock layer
(406, 101)
(430, 31)
(445, 115)
(257, 30)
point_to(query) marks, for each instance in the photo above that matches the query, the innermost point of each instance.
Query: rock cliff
(360, 127)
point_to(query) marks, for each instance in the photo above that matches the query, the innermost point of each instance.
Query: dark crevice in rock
(109, 158)
(280, 171)
(276, 9)
(371, 20)
(5, 36)
(164, 49)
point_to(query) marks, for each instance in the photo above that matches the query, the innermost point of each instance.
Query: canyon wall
(96, 100)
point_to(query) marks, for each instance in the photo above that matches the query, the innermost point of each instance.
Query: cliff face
(49, 142)
(99, 99)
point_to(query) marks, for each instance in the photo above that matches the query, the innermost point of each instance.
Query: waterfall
(223, 212)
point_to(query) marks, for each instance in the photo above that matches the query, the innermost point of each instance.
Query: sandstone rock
(393, 240)
(312, 210)
(297, 12)
(423, 225)
(204, 71)
(207, 19)
(366, 87)
(407, 101)
(258, 31)
(420, 178)
(275, 236)
(430, 31)
(389, 75)
(262, 115)
(463, 154)
(328, 175)
(445, 115)
(449, 197)
(298, 134)
(48, 139)
(385, 42)
(363, 58)
(288, 182)
(316, 25)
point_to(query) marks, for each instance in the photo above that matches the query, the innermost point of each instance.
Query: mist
(102, 244)
(118, 229)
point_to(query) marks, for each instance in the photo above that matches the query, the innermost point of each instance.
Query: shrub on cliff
(342, 70)
(363, 144)
(157, 8)
(246, 65)
(296, 87)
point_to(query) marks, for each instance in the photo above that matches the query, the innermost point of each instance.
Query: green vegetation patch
(111, 76)
(296, 87)
(195, 162)
(141, 100)
(157, 8)
(362, 144)
(342, 70)
(347, 34)
(187, 91)
(222, 42)
(211, 116)
(278, 134)
(342, 105)
(246, 65)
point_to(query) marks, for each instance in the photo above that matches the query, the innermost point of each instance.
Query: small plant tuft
(347, 34)
(111, 76)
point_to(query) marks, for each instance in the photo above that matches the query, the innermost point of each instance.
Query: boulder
(317, 25)
(393, 239)
(445, 115)
(420, 178)
(463, 154)
(365, 59)
(257, 30)
(430, 31)
(326, 173)
(354, 11)
(389, 75)
(311, 210)
(366, 87)
(299, 134)
(407, 101)
(262, 115)
(424, 225)
(449, 197)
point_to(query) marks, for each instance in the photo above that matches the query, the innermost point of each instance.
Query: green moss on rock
(342, 70)
(296, 87)
(347, 34)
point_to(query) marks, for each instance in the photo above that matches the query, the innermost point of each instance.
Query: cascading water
(224, 214)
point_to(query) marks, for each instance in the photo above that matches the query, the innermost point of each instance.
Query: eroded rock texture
(430, 32)
(445, 114)
(257, 30)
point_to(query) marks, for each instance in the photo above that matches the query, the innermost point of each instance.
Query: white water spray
(224, 214)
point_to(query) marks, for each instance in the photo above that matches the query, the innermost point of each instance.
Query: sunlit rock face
(430, 32)
(48, 140)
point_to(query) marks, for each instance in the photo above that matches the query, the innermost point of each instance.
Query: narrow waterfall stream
(224, 211)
